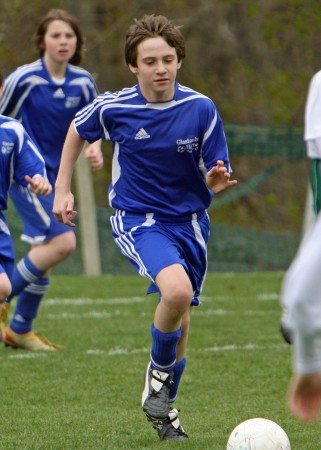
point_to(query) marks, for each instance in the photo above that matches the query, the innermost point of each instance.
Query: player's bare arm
(218, 178)
(64, 199)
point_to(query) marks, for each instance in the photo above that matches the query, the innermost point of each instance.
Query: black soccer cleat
(171, 429)
(155, 397)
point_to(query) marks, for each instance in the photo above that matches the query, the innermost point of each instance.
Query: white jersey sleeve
(314, 148)
(312, 118)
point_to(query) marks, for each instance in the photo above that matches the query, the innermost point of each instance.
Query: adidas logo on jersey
(142, 134)
(59, 93)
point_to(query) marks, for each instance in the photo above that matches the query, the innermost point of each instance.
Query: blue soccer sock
(178, 372)
(24, 273)
(27, 306)
(164, 345)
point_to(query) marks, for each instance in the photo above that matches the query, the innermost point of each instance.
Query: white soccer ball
(258, 434)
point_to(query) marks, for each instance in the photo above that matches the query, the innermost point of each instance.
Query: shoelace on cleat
(171, 427)
(159, 423)
(156, 423)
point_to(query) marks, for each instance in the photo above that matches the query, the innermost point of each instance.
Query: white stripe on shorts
(125, 240)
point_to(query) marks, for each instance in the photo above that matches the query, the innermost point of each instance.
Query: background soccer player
(301, 296)
(20, 162)
(312, 136)
(169, 157)
(44, 96)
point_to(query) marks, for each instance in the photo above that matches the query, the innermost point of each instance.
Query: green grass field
(88, 395)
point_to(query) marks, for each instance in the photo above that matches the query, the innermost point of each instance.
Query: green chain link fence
(269, 199)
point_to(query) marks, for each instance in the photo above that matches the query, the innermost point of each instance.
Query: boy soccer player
(169, 157)
(301, 296)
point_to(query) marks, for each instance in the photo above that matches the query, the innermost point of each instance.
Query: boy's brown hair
(153, 26)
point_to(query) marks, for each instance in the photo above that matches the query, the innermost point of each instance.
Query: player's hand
(39, 185)
(63, 208)
(94, 155)
(218, 178)
(304, 396)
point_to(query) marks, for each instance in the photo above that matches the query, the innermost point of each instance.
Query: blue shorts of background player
(39, 223)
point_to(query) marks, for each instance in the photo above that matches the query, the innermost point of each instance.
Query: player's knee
(181, 297)
(69, 248)
(65, 245)
(70, 244)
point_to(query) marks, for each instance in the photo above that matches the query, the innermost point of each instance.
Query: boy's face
(156, 69)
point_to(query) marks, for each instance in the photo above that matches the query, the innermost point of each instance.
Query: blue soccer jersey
(45, 106)
(18, 157)
(161, 151)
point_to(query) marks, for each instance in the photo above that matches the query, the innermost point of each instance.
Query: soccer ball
(258, 434)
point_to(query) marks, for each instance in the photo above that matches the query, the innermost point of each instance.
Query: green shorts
(315, 180)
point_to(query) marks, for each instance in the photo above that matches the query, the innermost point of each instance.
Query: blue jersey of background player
(169, 157)
(20, 162)
(44, 96)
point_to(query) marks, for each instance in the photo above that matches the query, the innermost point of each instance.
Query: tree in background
(253, 58)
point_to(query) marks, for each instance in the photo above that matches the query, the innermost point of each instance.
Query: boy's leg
(6, 270)
(19, 334)
(31, 284)
(177, 293)
(52, 242)
(180, 357)
(25, 272)
(156, 251)
(28, 304)
(5, 289)
(159, 374)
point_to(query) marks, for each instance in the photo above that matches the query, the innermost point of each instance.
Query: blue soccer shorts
(152, 243)
(6, 248)
(35, 211)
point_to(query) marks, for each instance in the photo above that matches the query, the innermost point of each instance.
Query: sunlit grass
(88, 395)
